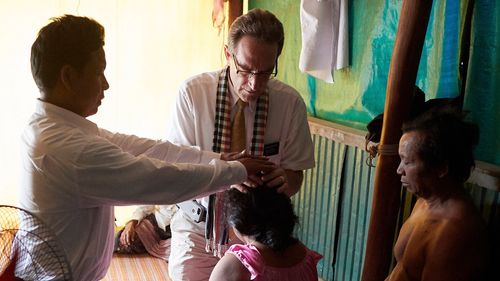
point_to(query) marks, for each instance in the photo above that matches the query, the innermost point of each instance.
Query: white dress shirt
(163, 213)
(192, 122)
(74, 173)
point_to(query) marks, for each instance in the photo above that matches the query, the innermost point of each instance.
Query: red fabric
(218, 14)
(151, 240)
(8, 273)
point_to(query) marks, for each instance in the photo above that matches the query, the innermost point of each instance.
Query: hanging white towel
(325, 40)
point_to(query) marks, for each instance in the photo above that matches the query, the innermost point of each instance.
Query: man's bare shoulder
(457, 240)
(439, 237)
(451, 223)
(457, 213)
(460, 224)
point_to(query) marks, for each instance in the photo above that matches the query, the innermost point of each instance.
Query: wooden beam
(410, 37)
(235, 10)
(337, 132)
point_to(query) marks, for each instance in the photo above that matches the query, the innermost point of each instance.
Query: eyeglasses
(257, 74)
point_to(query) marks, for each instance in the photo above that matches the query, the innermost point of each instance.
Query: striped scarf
(216, 232)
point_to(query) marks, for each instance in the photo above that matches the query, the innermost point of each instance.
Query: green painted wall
(358, 93)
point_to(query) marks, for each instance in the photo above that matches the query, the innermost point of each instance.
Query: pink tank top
(250, 257)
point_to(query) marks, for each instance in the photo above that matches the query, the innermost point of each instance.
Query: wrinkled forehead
(249, 44)
(409, 143)
(256, 54)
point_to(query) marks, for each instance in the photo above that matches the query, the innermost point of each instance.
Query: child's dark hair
(263, 214)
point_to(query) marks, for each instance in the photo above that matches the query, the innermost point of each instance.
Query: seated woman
(147, 231)
(264, 220)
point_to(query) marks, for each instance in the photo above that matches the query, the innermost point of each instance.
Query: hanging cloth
(216, 233)
(218, 16)
(325, 38)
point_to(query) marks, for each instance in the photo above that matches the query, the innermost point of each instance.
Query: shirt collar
(234, 98)
(48, 109)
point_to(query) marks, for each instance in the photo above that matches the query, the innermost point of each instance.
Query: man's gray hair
(259, 24)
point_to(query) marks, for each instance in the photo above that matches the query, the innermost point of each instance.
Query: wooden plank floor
(137, 268)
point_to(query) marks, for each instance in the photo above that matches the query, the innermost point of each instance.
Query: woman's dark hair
(67, 40)
(447, 138)
(263, 214)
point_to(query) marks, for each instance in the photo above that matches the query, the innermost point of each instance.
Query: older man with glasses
(238, 108)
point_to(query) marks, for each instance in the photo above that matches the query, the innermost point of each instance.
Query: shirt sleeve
(162, 213)
(298, 145)
(162, 150)
(182, 123)
(107, 174)
(142, 211)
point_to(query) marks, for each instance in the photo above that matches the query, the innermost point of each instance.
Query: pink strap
(250, 257)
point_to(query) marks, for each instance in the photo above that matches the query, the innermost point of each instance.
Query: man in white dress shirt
(74, 172)
(275, 125)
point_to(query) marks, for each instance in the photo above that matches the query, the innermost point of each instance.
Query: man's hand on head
(286, 181)
(256, 166)
(231, 156)
(251, 182)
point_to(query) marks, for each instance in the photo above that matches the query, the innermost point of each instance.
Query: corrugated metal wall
(333, 208)
(488, 203)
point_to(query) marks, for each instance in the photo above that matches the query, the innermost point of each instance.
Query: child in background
(264, 220)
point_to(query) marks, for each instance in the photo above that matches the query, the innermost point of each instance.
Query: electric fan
(29, 249)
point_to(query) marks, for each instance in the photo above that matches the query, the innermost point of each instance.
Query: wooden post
(235, 10)
(410, 36)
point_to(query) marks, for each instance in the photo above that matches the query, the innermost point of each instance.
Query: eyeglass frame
(249, 73)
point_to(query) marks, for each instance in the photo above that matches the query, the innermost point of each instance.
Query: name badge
(271, 149)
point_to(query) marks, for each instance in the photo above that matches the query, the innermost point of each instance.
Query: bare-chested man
(444, 238)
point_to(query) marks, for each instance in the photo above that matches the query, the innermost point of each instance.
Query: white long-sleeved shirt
(74, 173)
(192, 121)
(163, 213)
